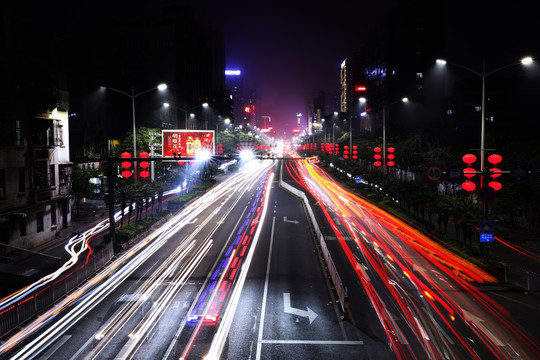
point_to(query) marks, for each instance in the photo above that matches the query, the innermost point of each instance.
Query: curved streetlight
(186, 111)
(384, 106)
(226, 122)
(133, 96)
(524, 61)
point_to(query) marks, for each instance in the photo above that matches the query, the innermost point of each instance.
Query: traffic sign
(434, 173)
(535, 172)
(486, 194)
(454, 174)
(519, 172)
(358, 179)
(486, 231)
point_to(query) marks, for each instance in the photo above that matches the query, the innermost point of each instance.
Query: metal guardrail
(521, 276)
(341, 290)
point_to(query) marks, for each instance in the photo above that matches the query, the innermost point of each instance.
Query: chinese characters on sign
(186, 143)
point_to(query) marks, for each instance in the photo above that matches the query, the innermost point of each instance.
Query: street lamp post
(226, 121)
(186, 111)
(525, 61)
(384, 125)
(133, 96)
(484, 247)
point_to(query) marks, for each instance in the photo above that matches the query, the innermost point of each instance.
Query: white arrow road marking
(310, 314)
(290, 221)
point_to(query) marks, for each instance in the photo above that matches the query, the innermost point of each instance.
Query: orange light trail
(407, 271)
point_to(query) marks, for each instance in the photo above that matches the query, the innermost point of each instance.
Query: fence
(521, 276)
(13, 314)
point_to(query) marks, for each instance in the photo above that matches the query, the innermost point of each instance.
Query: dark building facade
(134, 55)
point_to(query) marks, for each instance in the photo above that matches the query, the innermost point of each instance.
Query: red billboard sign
(186, 143)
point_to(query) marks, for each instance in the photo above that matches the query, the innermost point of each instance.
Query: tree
(81, 186)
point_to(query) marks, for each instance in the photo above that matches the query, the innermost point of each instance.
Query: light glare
(527, 60)
(203, 155)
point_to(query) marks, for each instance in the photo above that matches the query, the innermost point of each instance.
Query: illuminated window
(419, 75)
(449, 112)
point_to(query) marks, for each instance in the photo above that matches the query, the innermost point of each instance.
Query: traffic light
(126, 165)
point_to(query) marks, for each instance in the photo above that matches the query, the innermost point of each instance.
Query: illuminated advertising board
(186, 143)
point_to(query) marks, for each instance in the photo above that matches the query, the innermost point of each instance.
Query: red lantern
(468, 186)
(144, 164)
(377, 156)
(126, 165)
(495, 185)
(390, 163)
(391, 156)
(180, 163)
(377, 149)
(496, 171)
(494, 159)
(468, 159)
(377, 163)
(144, 174)
(390, 150)
(469, 170)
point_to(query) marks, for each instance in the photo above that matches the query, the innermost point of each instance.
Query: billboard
(186, 143)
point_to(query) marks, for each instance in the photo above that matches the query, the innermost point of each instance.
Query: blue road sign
(486, 231)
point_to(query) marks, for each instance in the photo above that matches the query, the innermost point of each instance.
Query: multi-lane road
(238, 274)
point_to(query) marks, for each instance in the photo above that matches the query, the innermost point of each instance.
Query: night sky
(289, 50)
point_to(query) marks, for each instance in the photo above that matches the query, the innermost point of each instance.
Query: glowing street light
(384, 106)
(186, 111)
(133, 96)
(524, 61)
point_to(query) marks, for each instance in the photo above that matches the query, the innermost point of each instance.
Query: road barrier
(341, 290)
(521, 276)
